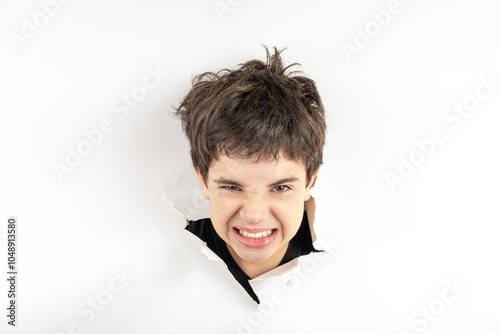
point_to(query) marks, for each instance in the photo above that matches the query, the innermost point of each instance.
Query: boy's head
(256, 135)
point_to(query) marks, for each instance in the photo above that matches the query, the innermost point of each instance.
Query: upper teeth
(255, 235)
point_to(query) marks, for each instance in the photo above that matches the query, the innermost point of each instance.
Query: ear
(311, 184)
(202, 182)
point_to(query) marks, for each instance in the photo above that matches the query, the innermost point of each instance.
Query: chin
(254, 255)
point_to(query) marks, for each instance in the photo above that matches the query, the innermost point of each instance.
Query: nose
(254, 209)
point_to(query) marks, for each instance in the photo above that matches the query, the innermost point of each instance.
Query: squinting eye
(231, 188)
(281, 189)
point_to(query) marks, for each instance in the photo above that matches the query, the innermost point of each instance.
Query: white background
(397, 246)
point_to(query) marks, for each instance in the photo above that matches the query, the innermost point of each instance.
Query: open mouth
(257, 235)
(255, 239)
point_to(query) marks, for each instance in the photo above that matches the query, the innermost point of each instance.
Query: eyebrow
(291, 179)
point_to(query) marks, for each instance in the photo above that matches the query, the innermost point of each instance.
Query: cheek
(221, 212)
(290, 222)
(290, 217)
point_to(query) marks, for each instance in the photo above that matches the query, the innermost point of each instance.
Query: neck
(257, 268)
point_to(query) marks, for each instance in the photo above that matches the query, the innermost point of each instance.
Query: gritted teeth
(257, 235)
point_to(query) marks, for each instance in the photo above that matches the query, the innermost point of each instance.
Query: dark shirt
(300, 244)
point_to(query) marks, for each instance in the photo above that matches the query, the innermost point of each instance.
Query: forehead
(250, 170)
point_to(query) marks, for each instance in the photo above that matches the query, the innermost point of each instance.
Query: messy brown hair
(259, 110)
